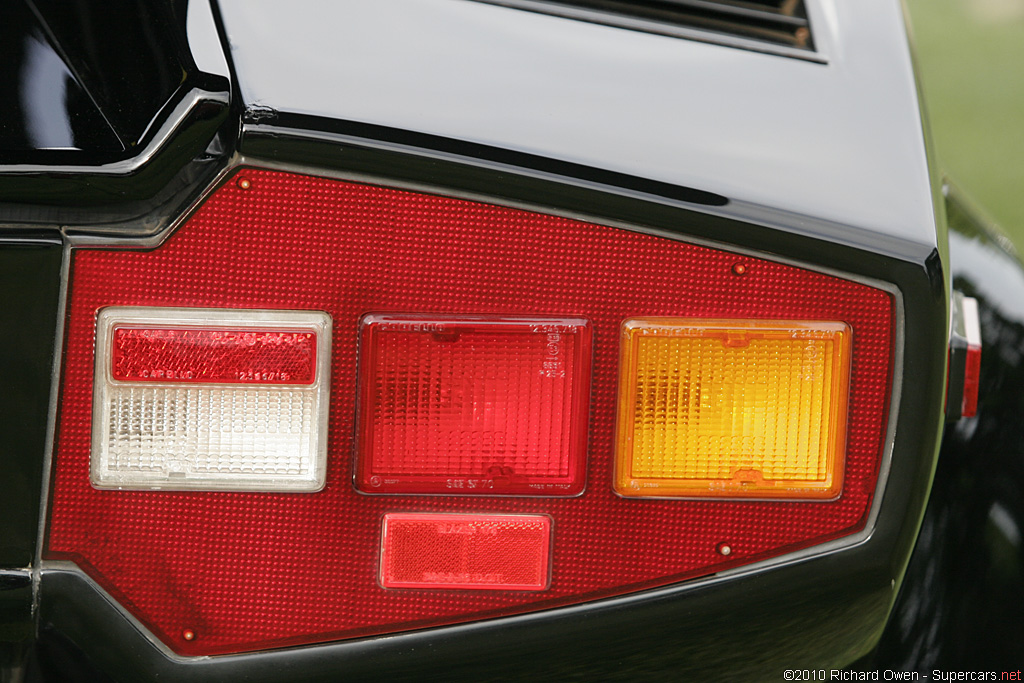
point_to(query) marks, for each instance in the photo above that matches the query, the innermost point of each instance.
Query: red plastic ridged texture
(248, 571)
(495, 407)
(469, 552)
(213, 355)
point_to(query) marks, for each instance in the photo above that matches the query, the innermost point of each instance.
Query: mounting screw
(739, 269)
(724, 549)
(188, 634)
(244, 183)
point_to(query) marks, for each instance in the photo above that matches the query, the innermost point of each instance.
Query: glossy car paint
(797, 136)
(824, 609)
(146, 134)
(958, 605)
(29, 286)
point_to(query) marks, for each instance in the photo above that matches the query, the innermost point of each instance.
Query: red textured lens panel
(215, 356)
(491, 406)
(468, 552)
(245, 571)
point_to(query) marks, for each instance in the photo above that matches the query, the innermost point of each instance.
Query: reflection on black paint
(959, 607)
(44, 85)
(88, 76)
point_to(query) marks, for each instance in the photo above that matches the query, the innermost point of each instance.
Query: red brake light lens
(485, 406)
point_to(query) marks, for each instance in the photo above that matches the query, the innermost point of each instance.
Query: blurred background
(971, 58)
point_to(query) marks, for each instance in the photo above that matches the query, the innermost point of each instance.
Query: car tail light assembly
(323, 410)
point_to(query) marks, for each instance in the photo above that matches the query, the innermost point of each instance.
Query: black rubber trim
(29, 290)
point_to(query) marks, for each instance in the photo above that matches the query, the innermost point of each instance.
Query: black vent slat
(777, 22)
(754, 12)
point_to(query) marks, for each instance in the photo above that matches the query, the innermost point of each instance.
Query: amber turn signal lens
(732, 408)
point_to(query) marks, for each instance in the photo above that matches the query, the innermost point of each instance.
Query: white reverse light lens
(210, 399)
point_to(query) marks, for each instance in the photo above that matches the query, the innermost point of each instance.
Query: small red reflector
(473, 405)
(213, 355)
(972, 364)
(473, 552)
(972, 379)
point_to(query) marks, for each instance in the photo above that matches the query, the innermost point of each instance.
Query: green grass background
(971, 59)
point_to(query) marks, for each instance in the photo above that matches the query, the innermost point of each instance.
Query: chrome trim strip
(51, 422)
(79, 239)
(972, 326)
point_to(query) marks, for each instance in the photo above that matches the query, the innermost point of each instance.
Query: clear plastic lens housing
(732, 408)
(473, 405)
(205, 399)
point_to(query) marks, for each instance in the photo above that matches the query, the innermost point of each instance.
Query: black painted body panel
(108, 124)
(957, 600)
(68, 67)
(29, 289)
(959, 608)
(30, 268)
(841, 141)
(46, 106)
